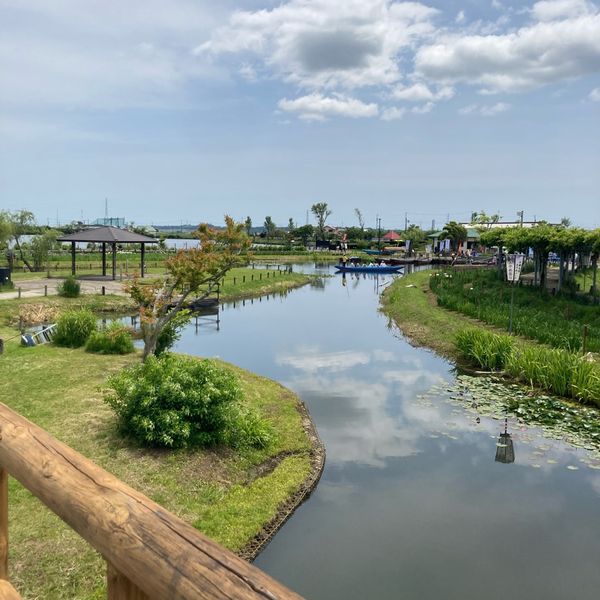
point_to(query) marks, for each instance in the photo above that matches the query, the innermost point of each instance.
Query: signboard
(514, 264)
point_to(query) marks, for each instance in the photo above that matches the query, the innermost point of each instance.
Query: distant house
(392, 237)
(438, 244)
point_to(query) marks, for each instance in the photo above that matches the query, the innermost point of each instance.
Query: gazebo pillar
(72, 258)
(103, 259)
(142, 259)
(114, 260)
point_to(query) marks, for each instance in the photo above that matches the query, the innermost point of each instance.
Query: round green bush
(69, 288)
(179, 401)
(115, 339)
(74, 327)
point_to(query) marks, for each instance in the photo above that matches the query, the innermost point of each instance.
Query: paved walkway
(34, 288)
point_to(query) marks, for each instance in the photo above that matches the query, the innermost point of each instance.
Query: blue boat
(369, 268)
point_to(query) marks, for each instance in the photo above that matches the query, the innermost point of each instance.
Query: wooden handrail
(149, 551)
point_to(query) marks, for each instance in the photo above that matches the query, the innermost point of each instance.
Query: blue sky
(183, 110)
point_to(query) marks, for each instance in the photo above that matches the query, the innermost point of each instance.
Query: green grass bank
(415, 308)
(232, 496)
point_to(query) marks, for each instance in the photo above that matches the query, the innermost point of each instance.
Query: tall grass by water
(556, 370)
(556, 321)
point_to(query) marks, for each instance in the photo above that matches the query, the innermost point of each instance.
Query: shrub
(115, 339)
(74, 327)
(179, 401)
(69, 288)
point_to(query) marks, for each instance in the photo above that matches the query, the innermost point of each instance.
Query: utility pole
(405, 221)
(378, 232)
(520, 214)
(432, 224)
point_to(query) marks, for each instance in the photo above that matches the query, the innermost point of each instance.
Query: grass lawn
(227, 495)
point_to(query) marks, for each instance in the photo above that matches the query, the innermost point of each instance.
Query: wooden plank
(8, 592)
(159, 553)
(3, 524)
(120, 588)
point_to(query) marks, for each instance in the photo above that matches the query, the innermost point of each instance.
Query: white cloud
(595, 95)
(327, 44)
(460, 17)
(419, 92)
(485, 110)
(393, 113)
(102, 54)
(550, 10)
(533, 56)
(316, 107)
(424, 109)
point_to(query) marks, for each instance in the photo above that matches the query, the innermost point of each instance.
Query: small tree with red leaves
(191, 274)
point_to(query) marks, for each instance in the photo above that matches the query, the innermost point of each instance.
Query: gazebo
(104, 236)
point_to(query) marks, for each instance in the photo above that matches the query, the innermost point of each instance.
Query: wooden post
(103, 259)
(3, 524)
(114, 260)
(121, 588)
(19, 293)
(143, 255)
(45, 290)
(72, 258)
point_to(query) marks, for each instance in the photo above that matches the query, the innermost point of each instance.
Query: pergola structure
(108, 236)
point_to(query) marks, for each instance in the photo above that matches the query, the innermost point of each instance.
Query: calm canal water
(411, 504)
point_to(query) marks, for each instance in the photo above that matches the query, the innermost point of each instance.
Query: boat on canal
(369, 268)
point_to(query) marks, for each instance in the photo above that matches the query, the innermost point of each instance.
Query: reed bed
(556, 370)
(557, 321)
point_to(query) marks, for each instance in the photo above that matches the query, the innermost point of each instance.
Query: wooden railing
(150, 553)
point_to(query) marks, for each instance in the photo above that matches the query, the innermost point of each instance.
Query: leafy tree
(19, 223)
(455, 232)
(248, 225)
(359, 216)
(270, 227)
(416, 235)
(321, 212)
(41, 246)
(192, 273)
(305, 233)
(481, 218)
(291, 225)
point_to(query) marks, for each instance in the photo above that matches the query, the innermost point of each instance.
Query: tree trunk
(594, 276)
(561, 270)
(20, 250)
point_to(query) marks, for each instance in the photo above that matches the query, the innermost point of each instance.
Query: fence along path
(151, 554)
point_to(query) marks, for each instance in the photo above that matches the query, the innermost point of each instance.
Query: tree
(305, 233)
(18, 224)
(193, 273)
(291, 225)
(455, 232)
(41, 245)
(482, 218)
(321, 212)
(248, 225)
(361, 220)
(270, 227)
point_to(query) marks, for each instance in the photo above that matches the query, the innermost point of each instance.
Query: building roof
(392, 236)
(109, 235)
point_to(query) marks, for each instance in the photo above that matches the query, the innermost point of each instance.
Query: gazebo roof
(109, 235)
(392, 236)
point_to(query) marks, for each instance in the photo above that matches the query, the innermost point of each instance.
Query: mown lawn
(219, 491)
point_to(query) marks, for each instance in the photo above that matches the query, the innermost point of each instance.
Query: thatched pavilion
(108, 236)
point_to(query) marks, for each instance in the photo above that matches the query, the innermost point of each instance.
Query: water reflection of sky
(411, 503)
